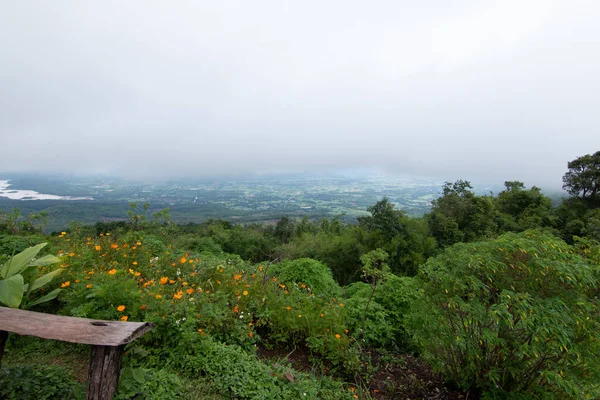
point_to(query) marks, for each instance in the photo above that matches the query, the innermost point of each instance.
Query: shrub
(312, 273)
(38, 383)
(516, 314)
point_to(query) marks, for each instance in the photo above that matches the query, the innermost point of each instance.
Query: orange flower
(112, 271)
(322, 315)
(124, 318)
(237, 277)
(158, 296)
(235, 309)
(114, 246)
(71, 254)
(97, 248)
(163, 280)
(121, 308)
(89, 286)
(250, 334)
(341, 304)
(137, 274)
(183, 260)
(288, 308)
(337, 336)
(178, 295)
(143, 307)
(260, 268)
(65, 284)
(190, 291)
(303, 286)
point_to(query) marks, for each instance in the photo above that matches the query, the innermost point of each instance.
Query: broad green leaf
(20, 261)
(48, 259)
(43, 299)
(11, 291)
(42, 280)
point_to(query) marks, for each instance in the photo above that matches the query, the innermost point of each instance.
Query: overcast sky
(480, 90)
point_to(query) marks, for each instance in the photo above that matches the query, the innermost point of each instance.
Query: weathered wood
(3, 339)
(103, 372)
(71, 329)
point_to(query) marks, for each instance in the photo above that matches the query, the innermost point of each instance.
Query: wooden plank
(71, 329)
(103, 372)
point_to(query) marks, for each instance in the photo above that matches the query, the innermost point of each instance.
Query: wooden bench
(107, 338)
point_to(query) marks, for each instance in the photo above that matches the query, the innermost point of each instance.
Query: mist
(479, 90)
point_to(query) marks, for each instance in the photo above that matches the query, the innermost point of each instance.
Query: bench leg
(3, 339)
(103, 372)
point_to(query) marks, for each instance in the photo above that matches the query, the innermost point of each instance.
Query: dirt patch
(298, 356)
(408, 377)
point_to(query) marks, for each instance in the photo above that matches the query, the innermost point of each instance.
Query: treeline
(459, 215)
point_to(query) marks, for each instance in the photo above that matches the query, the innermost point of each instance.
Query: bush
(38, 383)
(516, 314)
(148, 384)
(316, 275)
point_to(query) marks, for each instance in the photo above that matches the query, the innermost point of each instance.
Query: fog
(480, 90)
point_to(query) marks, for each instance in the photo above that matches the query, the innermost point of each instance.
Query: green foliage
(517, 314)
(583, 178)
(407, 241)
(38, 383)
(310, 272)
(150, 384)
(19, 277)
(461, 216)
(523, 209)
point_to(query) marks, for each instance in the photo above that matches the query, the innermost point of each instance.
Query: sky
(478, 90)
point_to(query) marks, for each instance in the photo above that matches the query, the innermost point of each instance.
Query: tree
(583, 177)
(461, 216)
(522, 209)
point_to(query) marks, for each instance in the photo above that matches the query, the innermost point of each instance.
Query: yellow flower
(112, 271)
(245, 293)
(137, 274)
(65, 284)
(299, 315)
(124, 318)
(158, 296)
(89, 286)
(121, 308)
(107, 233)
(134, 263)
(63, 233)
(260, 268)
(138, 243)
(131, 271)
(341, 304)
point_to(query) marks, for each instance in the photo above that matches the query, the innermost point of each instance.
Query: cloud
(486, 90)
